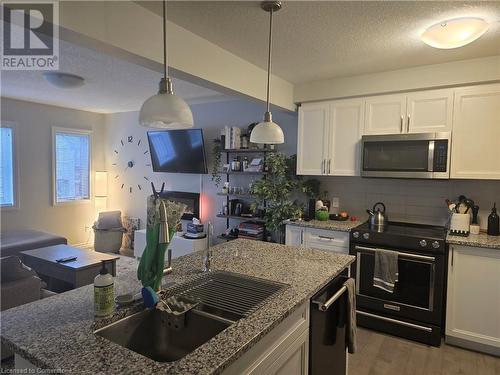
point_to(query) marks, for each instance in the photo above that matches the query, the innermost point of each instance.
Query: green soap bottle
(104, 293)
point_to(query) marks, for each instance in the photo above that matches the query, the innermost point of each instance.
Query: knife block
(460, 224)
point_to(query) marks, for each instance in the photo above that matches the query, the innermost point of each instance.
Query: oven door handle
(406, 255)
(326, 305)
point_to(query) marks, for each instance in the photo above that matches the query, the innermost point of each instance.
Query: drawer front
(329, 240)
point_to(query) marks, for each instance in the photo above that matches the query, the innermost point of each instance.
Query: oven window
(413, 287)
(397, 156)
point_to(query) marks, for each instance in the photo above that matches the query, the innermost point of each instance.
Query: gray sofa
(19, 285)
(13, 242)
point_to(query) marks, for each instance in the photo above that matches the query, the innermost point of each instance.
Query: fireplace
(192, 200)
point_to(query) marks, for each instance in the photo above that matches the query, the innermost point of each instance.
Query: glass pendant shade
(166, 111)
(267, 132)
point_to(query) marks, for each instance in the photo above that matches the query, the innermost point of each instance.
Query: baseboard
(471, 345)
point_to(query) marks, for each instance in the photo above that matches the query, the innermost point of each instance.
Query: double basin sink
(221, 299)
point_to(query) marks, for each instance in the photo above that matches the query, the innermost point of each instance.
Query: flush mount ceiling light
(267, 131)
(454, 33)
(63, 80)
(165, 110)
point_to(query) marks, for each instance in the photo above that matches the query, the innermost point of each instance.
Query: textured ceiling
(324, 39)
(111, 84)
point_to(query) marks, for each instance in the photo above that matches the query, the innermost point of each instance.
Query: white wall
(420, 201)
(465, 72)
(211, 117)
(34, 123)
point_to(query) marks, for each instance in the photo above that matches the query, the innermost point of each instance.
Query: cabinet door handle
(329, 162)
(401, 125)
(301, 237)
(326, 238)
(452, 254)
(408, 124)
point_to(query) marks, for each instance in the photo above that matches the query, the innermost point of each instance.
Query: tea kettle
(378, 219)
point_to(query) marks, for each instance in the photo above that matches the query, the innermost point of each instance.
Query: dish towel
(351, 316)
(385, 273)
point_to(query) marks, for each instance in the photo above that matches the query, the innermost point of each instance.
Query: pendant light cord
(269, 59)
(165, 66)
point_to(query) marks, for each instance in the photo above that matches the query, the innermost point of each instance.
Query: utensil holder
(460, 224)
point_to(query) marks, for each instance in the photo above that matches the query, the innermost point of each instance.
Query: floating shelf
(243, 173)
(240, 217)
(227, 238)
(248, 150)
(238, 195)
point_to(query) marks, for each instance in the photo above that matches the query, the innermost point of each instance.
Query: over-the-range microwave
(425, 155)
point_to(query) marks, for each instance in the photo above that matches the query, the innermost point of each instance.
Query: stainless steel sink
(222, 298)
(149, 334)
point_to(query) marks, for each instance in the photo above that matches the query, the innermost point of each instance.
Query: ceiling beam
(456, 73)
(131, 31)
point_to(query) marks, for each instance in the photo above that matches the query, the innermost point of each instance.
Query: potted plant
(277, 189)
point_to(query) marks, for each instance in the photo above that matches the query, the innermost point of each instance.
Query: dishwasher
(328, 329)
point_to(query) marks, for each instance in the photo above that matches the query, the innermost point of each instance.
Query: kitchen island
(58, 332)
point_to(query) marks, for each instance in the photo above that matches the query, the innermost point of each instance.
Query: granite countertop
(342, 226)
(57, 332)
(478, 240)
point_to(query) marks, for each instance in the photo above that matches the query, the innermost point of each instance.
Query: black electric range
(414, 309)
(417, 237)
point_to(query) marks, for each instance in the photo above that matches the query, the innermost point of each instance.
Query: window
(72, 150)
(7, 167)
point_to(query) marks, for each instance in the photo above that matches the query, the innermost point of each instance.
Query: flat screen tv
(177, 151)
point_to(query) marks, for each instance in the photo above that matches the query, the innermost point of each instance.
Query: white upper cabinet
(312, 138)
(476, 133)
(347, 120)
(385, 114)
(418, 112)
(329, 136)
(429, 111)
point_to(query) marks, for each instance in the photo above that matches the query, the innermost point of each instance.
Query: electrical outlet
(335, 202)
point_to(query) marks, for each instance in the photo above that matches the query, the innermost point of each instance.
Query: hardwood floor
(380, 354)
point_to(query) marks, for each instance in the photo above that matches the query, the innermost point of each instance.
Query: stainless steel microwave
(425, 155)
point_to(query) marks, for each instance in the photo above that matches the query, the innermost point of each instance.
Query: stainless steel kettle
(378, 219)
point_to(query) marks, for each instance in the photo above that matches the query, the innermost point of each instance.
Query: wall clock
(132, 157)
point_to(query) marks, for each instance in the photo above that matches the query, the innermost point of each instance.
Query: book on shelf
(232, 138)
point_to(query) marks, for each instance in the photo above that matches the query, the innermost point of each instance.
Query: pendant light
(165, 110)
(267, 131)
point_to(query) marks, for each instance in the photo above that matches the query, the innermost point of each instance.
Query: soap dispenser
(494, 222)
(104, 292)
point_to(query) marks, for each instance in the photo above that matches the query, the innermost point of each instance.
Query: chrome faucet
(207, 258)
(164, 237)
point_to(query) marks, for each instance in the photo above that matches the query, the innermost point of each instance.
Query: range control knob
(355, 234)
(366, 235)
(435, 245)
(423, 243)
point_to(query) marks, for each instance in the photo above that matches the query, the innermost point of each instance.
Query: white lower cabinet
(283, 351)
(473, 298)
(313, 238)
(294, 235)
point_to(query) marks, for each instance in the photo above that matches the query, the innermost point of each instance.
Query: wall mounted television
(177, 151)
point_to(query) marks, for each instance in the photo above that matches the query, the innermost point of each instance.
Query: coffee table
(61, 277)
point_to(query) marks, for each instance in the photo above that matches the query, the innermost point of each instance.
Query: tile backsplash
(419, 201)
